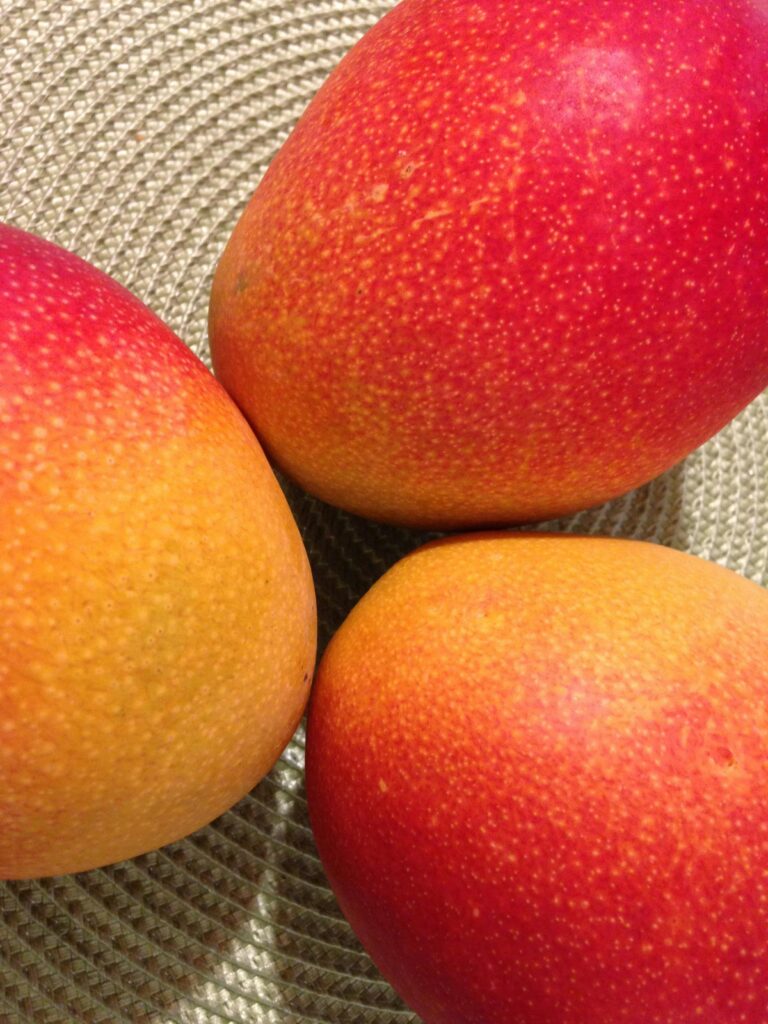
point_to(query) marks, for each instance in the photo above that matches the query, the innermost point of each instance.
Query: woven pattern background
(133, 132)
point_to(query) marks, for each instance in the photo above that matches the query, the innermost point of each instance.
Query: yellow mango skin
(537, 773)
(157, 613)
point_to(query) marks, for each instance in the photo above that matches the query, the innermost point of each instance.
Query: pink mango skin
(537, 775)
(157, 613)
(512, 261)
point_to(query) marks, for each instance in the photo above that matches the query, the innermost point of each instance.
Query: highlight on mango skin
(537, 773)
(157, 613)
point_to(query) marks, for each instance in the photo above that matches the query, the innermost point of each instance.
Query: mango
(157, 613)
(537, 773)
(512, 261)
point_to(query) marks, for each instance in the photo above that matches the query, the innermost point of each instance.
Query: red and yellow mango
(512, 261)
(537, 773)
(157, 616)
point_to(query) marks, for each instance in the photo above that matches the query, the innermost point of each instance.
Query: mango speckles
(157, 620)
(537, 769)
(558, 210)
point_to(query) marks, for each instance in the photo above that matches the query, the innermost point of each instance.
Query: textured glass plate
(133, 133)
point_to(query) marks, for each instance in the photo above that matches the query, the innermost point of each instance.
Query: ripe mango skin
(512, 261)
(537, 773)
(157, 613)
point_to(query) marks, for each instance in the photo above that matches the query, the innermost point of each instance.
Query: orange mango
(157, 614)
